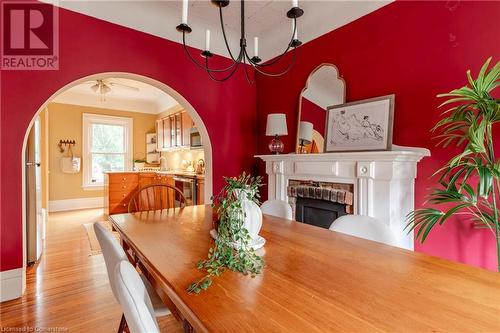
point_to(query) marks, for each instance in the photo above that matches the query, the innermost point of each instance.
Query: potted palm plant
(469, 182)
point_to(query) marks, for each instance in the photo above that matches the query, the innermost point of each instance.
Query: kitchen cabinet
(200, 196)
(164, 135)
(174, 131)
(187, 124)
(120, 186)
(118, 190)
(178, 129)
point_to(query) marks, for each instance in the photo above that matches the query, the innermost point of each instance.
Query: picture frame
(364, 125)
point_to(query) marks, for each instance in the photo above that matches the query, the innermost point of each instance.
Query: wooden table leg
(187, 326)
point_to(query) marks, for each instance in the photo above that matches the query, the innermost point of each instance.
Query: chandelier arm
(210, 73)
(292, 63)
(278, 58)
(200, 65)
(246, 69)
(224, 35)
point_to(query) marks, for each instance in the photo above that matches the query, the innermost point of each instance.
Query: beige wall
(44, 158)
(175, 158)
(65, 123)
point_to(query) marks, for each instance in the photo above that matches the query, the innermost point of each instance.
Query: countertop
(193, 175)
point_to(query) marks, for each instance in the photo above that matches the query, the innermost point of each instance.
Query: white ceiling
(265, 19)
(147, 99)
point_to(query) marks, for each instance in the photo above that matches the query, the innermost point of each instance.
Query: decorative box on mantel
(382, 181)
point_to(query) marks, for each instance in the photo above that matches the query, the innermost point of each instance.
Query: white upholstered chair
(134, 299)
(365, 227)
(277, 208)
(113, 255)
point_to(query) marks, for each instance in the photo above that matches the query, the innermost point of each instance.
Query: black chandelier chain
(243, 56)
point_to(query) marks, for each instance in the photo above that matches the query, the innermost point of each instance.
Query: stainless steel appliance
(189, 187)
(34, 218)
(195, 138)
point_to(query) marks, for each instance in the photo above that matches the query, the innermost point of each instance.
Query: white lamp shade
(276, 124)
(306, 131)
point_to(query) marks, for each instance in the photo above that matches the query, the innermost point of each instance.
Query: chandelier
(222, 74)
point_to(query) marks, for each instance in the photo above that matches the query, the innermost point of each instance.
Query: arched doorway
(207, 145)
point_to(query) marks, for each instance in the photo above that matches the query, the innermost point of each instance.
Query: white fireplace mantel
(383, 180)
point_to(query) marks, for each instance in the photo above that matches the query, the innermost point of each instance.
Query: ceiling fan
(104, 86)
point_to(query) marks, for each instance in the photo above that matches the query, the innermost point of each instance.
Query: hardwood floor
(68, 290)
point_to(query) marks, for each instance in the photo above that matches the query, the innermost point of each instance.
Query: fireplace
(379, 184)
(320, 213)
(319, 203)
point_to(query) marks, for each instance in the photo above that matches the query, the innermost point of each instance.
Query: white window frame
(88, 120)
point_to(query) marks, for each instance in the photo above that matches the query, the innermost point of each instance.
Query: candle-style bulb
(256, 46)
(184, 12)
(207, 40)
(295, 3)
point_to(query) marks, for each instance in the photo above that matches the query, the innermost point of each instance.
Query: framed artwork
(361, 125)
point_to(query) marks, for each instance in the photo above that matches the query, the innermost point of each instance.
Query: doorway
(34, 199)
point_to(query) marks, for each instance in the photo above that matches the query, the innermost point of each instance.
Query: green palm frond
(469, 182)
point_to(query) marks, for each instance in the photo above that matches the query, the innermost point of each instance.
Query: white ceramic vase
(253, 214)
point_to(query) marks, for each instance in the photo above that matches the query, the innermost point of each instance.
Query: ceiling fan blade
(120, 85)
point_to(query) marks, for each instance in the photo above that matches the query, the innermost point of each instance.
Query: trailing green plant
(232, 248)
(470, 181)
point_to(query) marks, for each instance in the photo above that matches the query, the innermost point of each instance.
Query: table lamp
(276, 126)
(305, 135)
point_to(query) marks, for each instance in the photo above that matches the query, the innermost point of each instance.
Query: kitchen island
(119, 186)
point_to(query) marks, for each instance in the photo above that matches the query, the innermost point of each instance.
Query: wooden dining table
(314, 280)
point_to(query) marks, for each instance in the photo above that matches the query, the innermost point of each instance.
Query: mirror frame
(299, 111)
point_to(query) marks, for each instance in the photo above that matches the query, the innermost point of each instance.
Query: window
(107, 147)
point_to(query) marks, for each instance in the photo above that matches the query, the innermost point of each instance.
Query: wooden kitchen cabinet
(163, 133)
(118, 189)
(200, 195)
(174, 131)
(147, 179)
(160, 139)
(187, 123)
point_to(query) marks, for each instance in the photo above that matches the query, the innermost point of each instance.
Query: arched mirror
(323, 88)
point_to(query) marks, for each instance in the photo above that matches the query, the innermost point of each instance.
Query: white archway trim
(207, 144)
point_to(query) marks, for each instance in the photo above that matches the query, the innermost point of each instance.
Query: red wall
(89, 46)
(414, 50)
(313, 113)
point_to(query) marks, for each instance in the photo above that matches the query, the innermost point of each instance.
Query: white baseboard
(11, 284)
(72, 204)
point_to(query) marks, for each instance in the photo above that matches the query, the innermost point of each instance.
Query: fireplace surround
(383, 181)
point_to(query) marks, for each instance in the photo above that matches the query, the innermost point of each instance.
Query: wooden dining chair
(156, 197)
